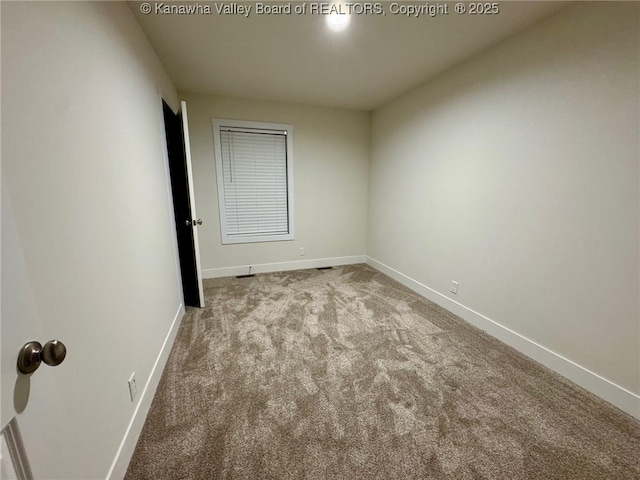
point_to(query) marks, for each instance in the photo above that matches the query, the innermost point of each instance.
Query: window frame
(221, 123)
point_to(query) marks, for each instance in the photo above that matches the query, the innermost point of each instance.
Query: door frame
(17, 453)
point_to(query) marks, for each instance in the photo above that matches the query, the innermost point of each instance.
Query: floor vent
(246, 276)
(324, 268)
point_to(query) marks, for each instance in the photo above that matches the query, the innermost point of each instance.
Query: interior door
(184, 206)
(20, 322)
(196, 221)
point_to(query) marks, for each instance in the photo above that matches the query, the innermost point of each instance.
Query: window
(254, 166)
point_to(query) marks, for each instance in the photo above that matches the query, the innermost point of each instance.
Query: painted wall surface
(516, 174)
(331, 165)
(88, 238)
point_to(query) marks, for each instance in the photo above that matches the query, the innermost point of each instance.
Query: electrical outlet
(133, 389)
(454, 287)
(302, 251)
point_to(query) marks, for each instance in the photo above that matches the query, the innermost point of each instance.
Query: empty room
(320, 240)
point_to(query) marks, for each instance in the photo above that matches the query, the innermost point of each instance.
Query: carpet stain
(345, 373)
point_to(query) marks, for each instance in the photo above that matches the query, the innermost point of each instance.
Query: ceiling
(296, 58)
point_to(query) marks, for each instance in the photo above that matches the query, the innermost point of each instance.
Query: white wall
(88, 238)
(516, 174)
(331, 169)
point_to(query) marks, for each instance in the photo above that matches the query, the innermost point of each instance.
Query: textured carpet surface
(346, 374)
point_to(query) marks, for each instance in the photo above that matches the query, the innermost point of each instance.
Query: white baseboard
(127, 446)
(615, 394)
(282, 266)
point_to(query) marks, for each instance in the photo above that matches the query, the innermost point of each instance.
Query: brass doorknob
(33, 353)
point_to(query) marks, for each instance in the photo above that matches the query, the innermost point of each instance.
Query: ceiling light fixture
(338, 21)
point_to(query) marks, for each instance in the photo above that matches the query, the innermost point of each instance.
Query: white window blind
(254, 181)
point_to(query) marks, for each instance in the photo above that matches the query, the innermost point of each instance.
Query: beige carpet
(346, 374)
